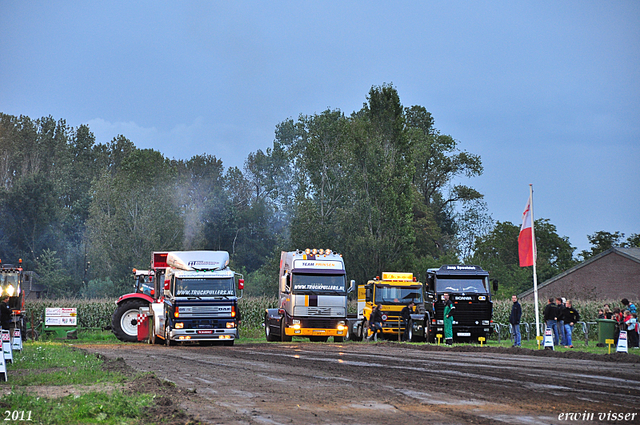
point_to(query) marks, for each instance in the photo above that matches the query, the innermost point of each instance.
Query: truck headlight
(485, 323)
(231, 325)
(179, 325)
(296, 321)
(440, 322)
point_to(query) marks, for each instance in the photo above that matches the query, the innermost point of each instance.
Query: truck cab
(312, 297)
(393, 292)
(11, 280)
(200, 302)
(468, 289)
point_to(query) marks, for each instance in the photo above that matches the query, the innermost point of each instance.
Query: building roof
(630, 253)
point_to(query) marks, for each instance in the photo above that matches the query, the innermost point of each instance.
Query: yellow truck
(393, 292)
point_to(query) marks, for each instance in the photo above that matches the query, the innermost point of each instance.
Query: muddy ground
(383, 383)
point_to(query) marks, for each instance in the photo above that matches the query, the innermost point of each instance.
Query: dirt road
(387, 383)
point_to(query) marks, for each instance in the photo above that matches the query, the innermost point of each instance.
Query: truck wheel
(357, 334)
(124, 322)
(167, 340)
(153, 338)
(410, 335)
(267, 332)
(283, 336)
(428, 332)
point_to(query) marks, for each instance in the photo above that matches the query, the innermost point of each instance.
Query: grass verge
(52, 382)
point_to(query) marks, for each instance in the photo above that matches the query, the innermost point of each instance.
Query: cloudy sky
(547, 93)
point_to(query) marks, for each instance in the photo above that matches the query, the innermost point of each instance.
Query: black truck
(468, 288)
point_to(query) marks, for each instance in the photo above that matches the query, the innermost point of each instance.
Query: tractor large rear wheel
(124, 322)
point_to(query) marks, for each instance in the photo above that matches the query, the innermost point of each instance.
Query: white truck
(313, 297)
(200, 301)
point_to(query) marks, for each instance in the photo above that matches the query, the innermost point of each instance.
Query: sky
(547, 93)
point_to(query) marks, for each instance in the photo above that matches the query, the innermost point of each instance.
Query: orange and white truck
(312, 297)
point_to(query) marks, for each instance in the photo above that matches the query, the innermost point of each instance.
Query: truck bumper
(290, 331)
(202, 334)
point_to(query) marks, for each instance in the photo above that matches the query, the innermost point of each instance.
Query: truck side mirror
(240, 284)
(352, 286)
(283, 284)
(495, 284)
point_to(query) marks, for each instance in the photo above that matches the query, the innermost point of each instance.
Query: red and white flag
(526, 244)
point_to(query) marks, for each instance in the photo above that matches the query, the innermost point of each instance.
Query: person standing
(630, 326)
(570, 318)
(5, 312)
(448, 319)
(514, 320)
(560, 306)
(550, 317)
(406, 319)
(628, 306)
(375, 322)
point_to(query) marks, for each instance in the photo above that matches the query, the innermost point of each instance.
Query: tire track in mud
(382, 383)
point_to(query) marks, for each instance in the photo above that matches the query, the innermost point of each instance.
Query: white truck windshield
(474, 286)
(318, 283)
(205, 287)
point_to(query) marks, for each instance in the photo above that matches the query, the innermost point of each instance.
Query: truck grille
(320, 311)
(319, 323)
(468, 314)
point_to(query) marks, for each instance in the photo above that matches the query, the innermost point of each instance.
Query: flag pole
(535, 255)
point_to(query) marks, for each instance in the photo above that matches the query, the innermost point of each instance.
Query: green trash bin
(606, 330)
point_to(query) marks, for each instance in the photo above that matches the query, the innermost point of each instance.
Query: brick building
(611, 275)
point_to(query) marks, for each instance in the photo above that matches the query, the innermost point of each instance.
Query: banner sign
(61, 317)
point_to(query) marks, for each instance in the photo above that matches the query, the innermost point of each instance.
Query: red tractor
(148, 288)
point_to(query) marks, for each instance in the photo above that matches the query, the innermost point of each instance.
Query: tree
(602, 241)
(52, 275)
(497, 252)
(632, 241)
(132, 213)
(30, 212)
(438, 161)
(200, 183)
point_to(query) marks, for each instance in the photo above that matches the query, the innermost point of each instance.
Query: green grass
(90, 408)
(55, 363)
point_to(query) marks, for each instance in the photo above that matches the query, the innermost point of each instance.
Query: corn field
(97, 313)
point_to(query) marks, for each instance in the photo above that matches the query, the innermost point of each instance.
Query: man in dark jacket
(571, 317)
(375, 322)
(5, 312)
(406, 319)
(514, 319)
(550, 316)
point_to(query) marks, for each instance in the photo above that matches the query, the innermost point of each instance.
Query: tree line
(382, 186)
